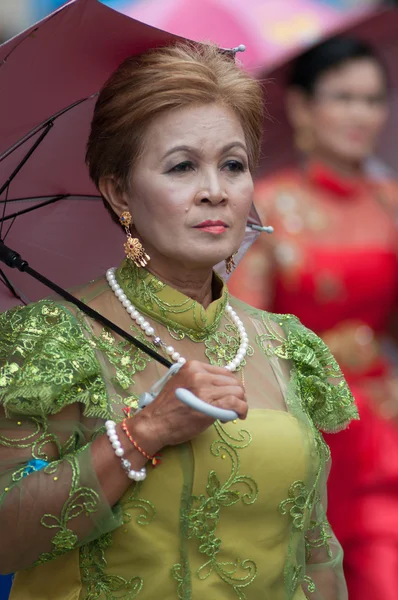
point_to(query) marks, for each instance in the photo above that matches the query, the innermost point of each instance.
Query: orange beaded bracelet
(155, 460)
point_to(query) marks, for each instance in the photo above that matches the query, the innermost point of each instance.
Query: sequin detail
(50, 363)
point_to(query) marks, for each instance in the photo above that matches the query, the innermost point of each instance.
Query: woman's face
(348, 110)
(191, 189)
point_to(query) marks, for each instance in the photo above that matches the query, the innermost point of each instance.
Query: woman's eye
(235, 166)
(182, 167)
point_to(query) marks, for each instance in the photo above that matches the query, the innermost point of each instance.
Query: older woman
(231, 510)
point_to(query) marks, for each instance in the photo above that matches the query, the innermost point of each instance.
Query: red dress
(332, 261)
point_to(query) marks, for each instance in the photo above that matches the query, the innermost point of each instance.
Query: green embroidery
(318, 389)
(50, 363)
(29, 440)
(81, 500)
(145, 509)
(181, 314)
(330, 405)
(100, 584)
(318, 535)
(180, 573)
(222, 346)
(127, 360)
(93, 555)
(37, 441)
(300, 498)
(297, 577)
(311, 588)
(203, 514)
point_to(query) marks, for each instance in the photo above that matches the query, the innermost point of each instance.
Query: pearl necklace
(147, 328)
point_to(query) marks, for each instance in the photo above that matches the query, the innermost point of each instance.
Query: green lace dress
(238, 513)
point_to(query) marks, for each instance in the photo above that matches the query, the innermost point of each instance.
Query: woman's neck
(196, 284)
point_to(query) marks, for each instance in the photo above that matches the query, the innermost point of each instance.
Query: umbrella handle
(207, 409)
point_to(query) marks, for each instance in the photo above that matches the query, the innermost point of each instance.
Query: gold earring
(230, 264)
(304, 140)
(133, 248)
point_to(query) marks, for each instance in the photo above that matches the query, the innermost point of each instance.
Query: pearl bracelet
(140, 475)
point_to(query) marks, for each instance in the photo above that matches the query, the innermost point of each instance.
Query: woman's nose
(212, 191)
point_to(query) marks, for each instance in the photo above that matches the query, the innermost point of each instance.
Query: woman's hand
(168, 422)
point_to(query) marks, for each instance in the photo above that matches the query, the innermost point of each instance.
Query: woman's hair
(333, 53)
(161, 80)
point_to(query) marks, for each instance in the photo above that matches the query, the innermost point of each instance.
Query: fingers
(221, 381)
(233, 403)
(200, 374)
(235, 391)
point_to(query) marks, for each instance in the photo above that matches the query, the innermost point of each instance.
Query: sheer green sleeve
(53, 402)
(319, 387)
(316, 377)
(324, 576)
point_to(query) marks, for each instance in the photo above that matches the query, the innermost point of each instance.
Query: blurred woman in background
(333, 262)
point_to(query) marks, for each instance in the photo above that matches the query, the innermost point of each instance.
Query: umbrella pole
(13, 259)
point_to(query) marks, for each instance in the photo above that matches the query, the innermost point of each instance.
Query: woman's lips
(215, 227)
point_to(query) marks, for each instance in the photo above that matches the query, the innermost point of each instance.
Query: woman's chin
(203, 264)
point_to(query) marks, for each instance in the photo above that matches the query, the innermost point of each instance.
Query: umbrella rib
(71, 196)
(30, 34)
(8, 230)
(27, 210)
(43, 124)
(26, 157)
(4, 211)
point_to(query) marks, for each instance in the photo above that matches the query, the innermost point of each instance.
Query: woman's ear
(298, 108)
(112, 191)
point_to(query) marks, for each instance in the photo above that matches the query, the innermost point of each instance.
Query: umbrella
(269, 28)
(49, 77)
(50, 212)
(380, 29)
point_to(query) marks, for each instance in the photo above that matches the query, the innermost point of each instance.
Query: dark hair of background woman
(333, 53)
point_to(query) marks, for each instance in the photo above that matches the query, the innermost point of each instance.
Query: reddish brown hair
(160, 80)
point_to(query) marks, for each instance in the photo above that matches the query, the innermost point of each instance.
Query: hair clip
(261, 228)
(240, 48)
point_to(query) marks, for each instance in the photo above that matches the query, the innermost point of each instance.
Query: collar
(168, 306)
(326, 178)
